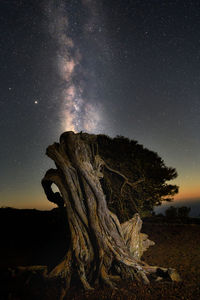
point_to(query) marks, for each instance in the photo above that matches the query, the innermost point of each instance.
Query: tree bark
(101, 249)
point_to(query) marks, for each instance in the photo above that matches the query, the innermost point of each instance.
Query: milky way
(77, 110)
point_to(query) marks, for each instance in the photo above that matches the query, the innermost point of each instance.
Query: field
(39, 238)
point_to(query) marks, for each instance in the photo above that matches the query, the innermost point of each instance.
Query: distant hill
(26, 234)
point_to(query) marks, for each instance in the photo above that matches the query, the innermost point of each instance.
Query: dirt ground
(177, 246)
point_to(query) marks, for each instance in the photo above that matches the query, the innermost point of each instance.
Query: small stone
(159, 278)
(174, 275)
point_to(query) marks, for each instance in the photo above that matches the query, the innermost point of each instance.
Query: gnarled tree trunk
(101, 249)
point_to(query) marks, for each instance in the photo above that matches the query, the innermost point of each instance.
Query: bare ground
(177, 246)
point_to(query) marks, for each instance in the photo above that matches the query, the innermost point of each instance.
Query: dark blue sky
(116, 67)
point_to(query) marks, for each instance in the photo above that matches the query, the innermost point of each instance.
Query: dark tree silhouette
(178, 212)
(183, 212)
(171, 212)
(101, 249)
(140, 165)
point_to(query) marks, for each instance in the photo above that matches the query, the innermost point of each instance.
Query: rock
(159, 278)
(174, 275)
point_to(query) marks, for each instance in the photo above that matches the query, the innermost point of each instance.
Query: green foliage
(136, 163)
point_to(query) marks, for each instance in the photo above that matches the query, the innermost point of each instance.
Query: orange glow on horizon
(188, 193)
(36, 199)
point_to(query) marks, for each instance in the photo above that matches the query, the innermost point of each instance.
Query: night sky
(127, 68)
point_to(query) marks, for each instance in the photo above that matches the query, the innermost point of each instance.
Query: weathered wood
(101, 249)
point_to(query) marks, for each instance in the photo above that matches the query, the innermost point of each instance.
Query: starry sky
(119, 67)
